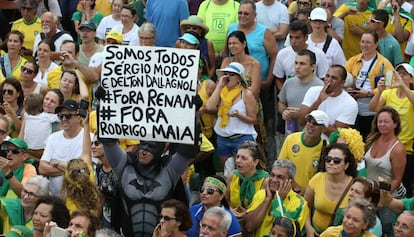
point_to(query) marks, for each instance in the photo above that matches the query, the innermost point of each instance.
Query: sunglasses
(8, 91)
(304, 3)
(336, 160)
(96, 143)
(66, 116)
(210, 191)
(166, 218)
(26, 70)
(14, 151)
(230, 74)
(76, 173)
(326, 4)
(373, 20)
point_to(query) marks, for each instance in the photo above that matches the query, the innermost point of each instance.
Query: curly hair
(77, 186)
(352, 138)
(349, 158)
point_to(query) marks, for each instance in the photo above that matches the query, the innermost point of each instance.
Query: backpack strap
(327, 43)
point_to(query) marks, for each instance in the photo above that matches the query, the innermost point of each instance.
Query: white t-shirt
(334, 53)
(362, 80)
(42, 79)
(272, 16)
(130, 38)
(342, 108)
(285, 63)
(105, 26)
(60, 148)
(38, 128)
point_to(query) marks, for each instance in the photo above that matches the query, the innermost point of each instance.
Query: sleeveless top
(207, 120)
(380, 166)
(235, 125)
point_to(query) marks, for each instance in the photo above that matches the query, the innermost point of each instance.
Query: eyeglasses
(75, 173)
(402, 226)
(26, 70)
(312, 121)
(210, 191)
(304, 3)
(8, 91)
(326, 4)
(336, 160)
(29, 194)
(26, 8)
(230, 74)
(242, 13)
(166, 218)
(373, 20)
(126, 16)
(66, 116)
(190, 27)
(96, 143)
(279, 176)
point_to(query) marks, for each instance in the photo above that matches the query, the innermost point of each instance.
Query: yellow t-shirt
(235, 191)
(29, 29)
(16, 72)
(350, 43)
(104, 7)
(323, 206)
(406, 111)
(218, 18)
(294, 206)
(306, 158)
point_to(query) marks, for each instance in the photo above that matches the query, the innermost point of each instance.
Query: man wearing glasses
(15, 167)
(29, 24)
(63, 145)
(278, 199)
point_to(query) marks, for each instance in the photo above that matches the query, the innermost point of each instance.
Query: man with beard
(278, 199)
(331, 98)
(304, 149)
(50, 31)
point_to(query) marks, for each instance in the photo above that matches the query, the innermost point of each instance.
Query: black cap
(68, 104)
(87, 24)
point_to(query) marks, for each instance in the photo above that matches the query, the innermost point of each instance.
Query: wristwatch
(9, 175)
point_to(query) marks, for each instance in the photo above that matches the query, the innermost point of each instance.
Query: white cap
(318, 14)
(320, 117)
(407, 68)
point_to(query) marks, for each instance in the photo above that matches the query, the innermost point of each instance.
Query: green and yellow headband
(213, 181)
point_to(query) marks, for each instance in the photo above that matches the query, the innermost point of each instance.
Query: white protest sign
(149, 93)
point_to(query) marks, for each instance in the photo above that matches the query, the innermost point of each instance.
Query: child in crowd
(37, 125)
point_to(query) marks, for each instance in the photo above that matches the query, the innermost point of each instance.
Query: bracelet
(9, 175)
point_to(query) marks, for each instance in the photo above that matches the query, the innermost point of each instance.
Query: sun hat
(194, 20)
(234, 67)
(318, 14)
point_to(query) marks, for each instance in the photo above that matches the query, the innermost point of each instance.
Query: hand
(4, 165)
(311, 232)
(48, 226)
(160, 231)
(222, 81)
(356, 29)
(398, 81)
(7, 107)
(68, 58)
(290, 113)
(284, 188)
(352, 11)
(239, 212)
(385, 198)
(234, 113)
(395, 7)
(323, 95)
(361, 93)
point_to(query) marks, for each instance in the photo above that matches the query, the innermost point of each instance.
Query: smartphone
(3, 153)
(377, 78)
(385, 186)
(388, 78)
(83, 108)
(56, 231)
(56, 56)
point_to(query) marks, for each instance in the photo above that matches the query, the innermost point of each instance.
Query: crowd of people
(335, 77)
